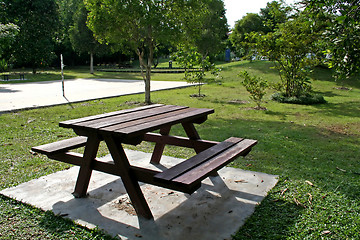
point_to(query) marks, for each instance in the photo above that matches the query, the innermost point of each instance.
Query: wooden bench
(185, 176)
(6, 77)
(191, 172)
(60, 146)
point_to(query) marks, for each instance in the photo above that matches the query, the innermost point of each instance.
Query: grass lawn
(314, 149)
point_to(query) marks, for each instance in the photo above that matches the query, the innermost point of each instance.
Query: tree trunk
(91, 63)
(146, 76)
(147, 85)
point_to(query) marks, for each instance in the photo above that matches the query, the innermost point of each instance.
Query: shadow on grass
(275, 218)
(349, 109)
(22, 221)
(325, 74)
(301, 152)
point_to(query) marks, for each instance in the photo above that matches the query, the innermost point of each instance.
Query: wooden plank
(70, 123)
(138, 122)
(178, 141)
(128, 117)
(159, 146)
(61, 146)
(198, 159)
(153, 123)
(82, 182)
(200, 172)
(141, 174)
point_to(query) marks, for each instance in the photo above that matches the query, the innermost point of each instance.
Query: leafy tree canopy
(293, 49)
(141, 26)
(7, 36)
(342, 35)
(275, 13)
(37, 20)
(82, 38)
(251, 22)
(208, 28)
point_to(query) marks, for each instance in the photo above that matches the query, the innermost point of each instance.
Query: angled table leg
(193, 135)
(159, 147)
(130, 182)
(82, 183)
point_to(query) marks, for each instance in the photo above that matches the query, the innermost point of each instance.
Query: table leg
(82, 183)
(193, 135)
(159, 147)
(130, 182)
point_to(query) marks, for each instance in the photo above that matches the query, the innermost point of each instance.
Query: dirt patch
(256, 108)
(124, 204)
(348, 129)
(343, 88)
(197, 95)
(238, 101)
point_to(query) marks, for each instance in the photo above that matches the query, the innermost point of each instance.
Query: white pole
(62, 74)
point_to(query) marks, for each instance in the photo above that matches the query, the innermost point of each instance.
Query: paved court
(32, 95)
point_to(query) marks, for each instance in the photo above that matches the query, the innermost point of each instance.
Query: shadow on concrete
(213, 212)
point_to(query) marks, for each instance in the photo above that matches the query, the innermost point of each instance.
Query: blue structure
(227, 55)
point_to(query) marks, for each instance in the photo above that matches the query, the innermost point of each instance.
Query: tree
(67, 10)
(342, 35)
(255, 86)
(275, 13)
(196, 66)
(37, 20)
(251, 22)
(82, 38)
(8, 33)
(292, 48)
(140, 26)
(135, 25)
(211, 31)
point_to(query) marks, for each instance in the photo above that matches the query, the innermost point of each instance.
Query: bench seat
(191, 172)
(60, 146)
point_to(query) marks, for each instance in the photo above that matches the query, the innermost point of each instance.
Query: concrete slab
(215, 211)
(31, 95)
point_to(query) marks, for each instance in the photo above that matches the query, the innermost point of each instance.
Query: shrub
(305, 99)
(255, 86)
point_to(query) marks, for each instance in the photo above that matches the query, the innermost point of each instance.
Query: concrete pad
(215, 211)
(31, 95)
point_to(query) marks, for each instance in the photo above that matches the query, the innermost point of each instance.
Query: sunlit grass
(314, 149)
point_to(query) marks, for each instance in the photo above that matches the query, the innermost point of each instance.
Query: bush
(255, 86)
(305, 99)
(3, 65)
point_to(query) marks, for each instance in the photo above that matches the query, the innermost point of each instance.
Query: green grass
(50, 74)
(316, 144)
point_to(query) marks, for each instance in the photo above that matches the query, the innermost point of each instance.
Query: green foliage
(242, 36)
(342, 33)
(134, 26)
(37, 20)
(82, 38)
(8, 33)
(306, 98)
(196, 66)
(292, 47)
(251, 22)
(255, 86)
(275, 13)
(3, 65)
(211, 30)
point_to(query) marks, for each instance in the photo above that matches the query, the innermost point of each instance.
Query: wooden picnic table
(132, 126)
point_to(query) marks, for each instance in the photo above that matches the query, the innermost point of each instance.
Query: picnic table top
(137, 121)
